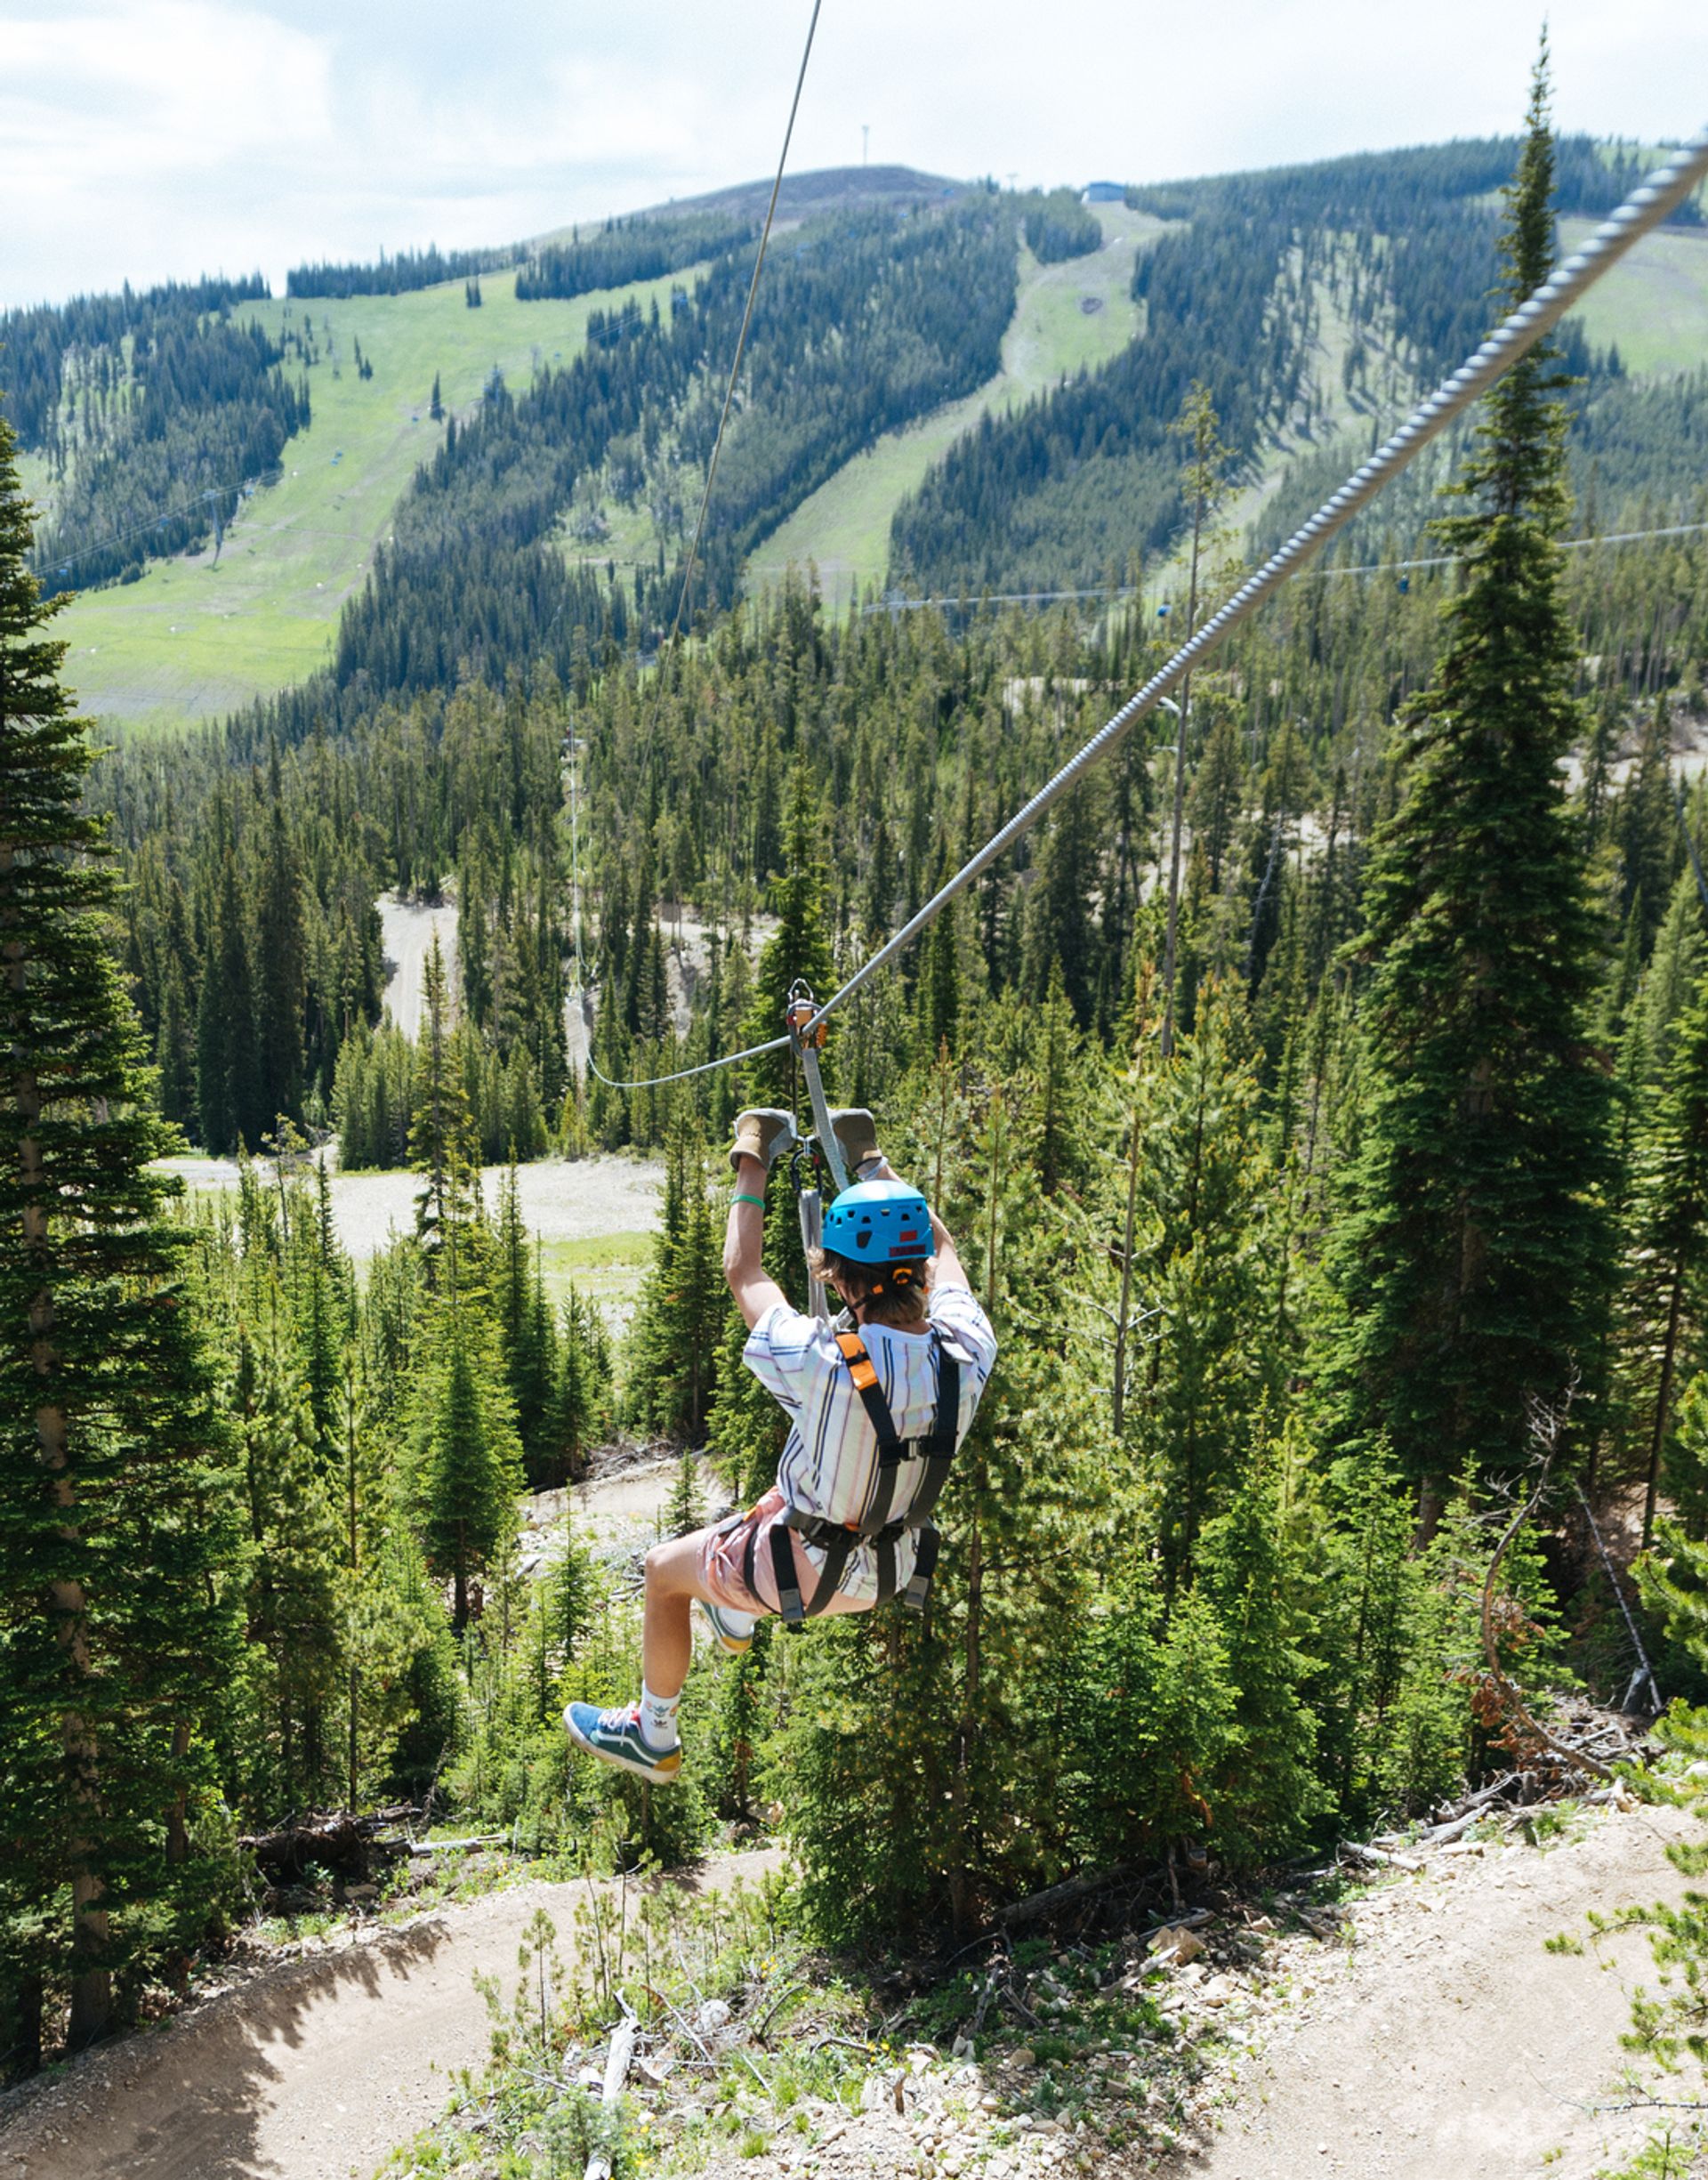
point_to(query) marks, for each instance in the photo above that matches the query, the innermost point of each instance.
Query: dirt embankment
(312, 2070)
(1443, 2039)
(1431, 2036)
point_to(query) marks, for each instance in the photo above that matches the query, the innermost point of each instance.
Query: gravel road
(563, 1200)
(407, 929)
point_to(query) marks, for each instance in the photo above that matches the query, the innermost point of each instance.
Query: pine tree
(529, 1335)
(1207, 1266)
(1472, 1259)
(228, 1093)
(469, 1464)
(117, 1543)
(1060, 935)
(1267, 1791)
(442, 1143)
(583, 1386)
(281, 967)
(684, 1308)
(295, 1615)
(799, 949)
(1667, 1297)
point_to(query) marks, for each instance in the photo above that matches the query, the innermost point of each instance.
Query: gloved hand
(763, 1132)
(857, 1132)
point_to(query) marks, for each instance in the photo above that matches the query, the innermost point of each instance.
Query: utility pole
(865, 141)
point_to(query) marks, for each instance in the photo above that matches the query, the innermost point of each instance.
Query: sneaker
(614, 1737)
(728, 1628)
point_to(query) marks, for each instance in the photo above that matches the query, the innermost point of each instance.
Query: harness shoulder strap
(863, 1375)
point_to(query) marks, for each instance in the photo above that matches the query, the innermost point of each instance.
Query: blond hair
(902, 1306)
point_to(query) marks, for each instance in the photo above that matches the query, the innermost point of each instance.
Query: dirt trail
(1445, 2040)
(312, 2072)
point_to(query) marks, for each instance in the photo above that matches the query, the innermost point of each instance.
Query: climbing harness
(881, 1526)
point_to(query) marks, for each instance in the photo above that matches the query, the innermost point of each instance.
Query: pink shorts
(723, 1553)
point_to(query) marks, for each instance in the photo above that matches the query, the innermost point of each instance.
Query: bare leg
(667, 1640)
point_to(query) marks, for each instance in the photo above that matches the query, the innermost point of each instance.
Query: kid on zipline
(877, 1403)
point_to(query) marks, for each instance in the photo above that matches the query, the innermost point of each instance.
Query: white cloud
(143, 138)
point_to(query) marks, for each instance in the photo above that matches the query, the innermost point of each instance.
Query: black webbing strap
(892, 1451)
(837, 1546)
(938, 1449)
(919, 1587)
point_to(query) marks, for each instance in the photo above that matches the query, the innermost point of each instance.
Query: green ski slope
(191, 639)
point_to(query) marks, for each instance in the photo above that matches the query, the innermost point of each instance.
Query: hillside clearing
(191, 639)
(1653, 305)
(843, 529)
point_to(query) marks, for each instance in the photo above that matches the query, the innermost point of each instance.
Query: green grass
(190, 640)
(605, 1268)
(845, 526)
(1654, 304)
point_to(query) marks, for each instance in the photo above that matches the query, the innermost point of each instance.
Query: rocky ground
(1419, 2027)
(1398, 2017)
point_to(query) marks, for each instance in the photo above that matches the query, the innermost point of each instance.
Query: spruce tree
(118, 1640)
(442, 1145)
(281, 966)
(469, 1462)
(1471, 1262)
(1667, 1298)
(799, 949)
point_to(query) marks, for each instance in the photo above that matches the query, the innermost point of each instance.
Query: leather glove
(763, 1132)
(856, 1131)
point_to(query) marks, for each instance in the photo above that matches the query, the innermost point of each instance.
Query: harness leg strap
(789, 1601)
(837, 1546)
(918, 1588)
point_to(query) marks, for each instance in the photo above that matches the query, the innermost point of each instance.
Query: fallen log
(1379, 1858)
(1063, 1895)
(340, 1841)
(616, 2072)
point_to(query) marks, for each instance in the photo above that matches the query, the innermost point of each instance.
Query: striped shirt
(830, 1463)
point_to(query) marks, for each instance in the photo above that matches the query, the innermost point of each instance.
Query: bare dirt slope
(312, 2072)
(1445, 2040)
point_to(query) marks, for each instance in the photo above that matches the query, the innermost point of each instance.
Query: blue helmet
(879, 1222)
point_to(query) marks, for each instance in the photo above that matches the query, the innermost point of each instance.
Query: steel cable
(1644, 209)
(1646, 206)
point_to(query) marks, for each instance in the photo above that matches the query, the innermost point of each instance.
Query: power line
(59, 562)
(1565, 544)
(1368, 567)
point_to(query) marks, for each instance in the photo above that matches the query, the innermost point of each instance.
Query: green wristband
(757, 1202)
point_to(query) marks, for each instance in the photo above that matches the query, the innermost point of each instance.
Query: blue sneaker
(727, 1627)
(614, 1737)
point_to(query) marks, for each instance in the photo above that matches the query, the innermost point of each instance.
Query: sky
(146, 140)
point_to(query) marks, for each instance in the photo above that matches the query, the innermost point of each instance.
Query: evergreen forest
(1320, 1098)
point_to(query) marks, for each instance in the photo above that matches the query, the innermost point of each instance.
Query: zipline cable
(776, 1044)
(1365, 568)
(741, 341)
(1645, 209)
